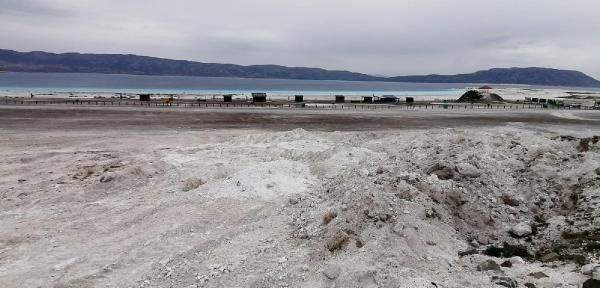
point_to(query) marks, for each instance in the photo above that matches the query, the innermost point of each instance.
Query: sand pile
(422, 208)
(409, 210)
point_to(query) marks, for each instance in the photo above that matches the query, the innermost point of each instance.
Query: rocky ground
(514, 205)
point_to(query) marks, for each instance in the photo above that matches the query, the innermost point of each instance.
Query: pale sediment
(136, 198)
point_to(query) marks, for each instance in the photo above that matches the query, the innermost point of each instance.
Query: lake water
(70, 82)
(74, 82)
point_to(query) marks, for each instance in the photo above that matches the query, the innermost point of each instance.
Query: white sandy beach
(508, 93)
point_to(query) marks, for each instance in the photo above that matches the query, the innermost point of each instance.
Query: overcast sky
(384, 37)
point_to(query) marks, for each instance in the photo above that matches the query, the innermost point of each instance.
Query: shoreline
(507, 93)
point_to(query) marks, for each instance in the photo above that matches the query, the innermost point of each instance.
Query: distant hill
(143, 65)
(529, 76)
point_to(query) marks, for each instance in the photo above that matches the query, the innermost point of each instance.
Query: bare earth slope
(169, 202)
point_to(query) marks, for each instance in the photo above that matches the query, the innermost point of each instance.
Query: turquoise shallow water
(74, 82)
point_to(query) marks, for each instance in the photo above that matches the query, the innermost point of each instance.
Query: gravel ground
(139, 198)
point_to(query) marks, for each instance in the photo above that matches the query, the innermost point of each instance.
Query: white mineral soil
(240, 208)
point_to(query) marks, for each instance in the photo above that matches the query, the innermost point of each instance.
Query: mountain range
(528, 76)
(38, 61)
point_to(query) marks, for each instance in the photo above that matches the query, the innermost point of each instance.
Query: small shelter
(259, 97)
(340, 99)
(474, 96)
(388, 99)
(410, 99)
(368, 99)
(144, 97)
(228, 98)
(298, 98)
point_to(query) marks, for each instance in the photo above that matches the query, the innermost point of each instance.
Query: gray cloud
(31, 8)
(390, 37)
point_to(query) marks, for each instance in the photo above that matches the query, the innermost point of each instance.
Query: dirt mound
(411, 208)
(459, 185)
(474, 96)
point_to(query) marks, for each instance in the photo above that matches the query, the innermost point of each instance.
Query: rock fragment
(467, 170)
(521, 230)
(507, 251)
(441, 171)
(550, 257)
(506, 264)
(332, 271)
(483, 239)
(337, 241)
(328, 217)
(191, 184)
(506, 282)
(510, 200)
(293, 200)
(591, 283)
(584, 145)
(488, 265)
(538, 275)
(567, 138)
(516, 260)
(106, 179)
(588, 269)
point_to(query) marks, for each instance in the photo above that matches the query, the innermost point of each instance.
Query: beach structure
(259, 97)
(388, 99)
(228, 98)
(476, 96)
(298, 98)
(144, 97)
(570, 102)
(410, 99)
(368, 99)
(167, 100)
(340, 99)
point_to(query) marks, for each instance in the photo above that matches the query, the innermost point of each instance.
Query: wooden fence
(331, 106)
